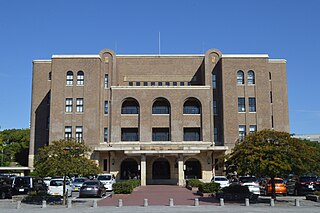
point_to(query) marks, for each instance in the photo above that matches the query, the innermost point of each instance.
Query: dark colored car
(22, 185)
(303, 185)
(92, 188)
(5, 188)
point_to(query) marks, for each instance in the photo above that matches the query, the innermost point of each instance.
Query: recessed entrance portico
(161, 169)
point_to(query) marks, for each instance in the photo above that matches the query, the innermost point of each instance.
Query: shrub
(134, 183)
(36, 197)
(317, 193)
(193, 182)
(236, 189)
(209, 187)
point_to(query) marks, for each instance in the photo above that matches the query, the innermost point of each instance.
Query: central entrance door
(161, 169)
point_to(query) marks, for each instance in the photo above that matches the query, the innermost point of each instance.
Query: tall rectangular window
(106, 81)
(79, 134)
(68, 104)
(252, 104)
(270, 96)
(106, 107)
(252, 128)
(215, 107)
(214, 81)
(79, 104)
(160, 134)
(105, 134)
(241, 104)
(242, 132)
(67, 132)
(215, 136)
(80, 78)
(191, 134)
(105, 164)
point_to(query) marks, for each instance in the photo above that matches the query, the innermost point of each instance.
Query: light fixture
(139, 168)
(209, 160)
(112, 161)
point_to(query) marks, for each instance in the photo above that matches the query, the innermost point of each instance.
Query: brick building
(164, 118)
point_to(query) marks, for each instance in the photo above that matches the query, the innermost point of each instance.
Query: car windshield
(22, 181)
(247, 179)
(79, 180)
(308, 179)
(58, 183)
(91, 183)
(276, 181)
(220, 179)
(104, 177)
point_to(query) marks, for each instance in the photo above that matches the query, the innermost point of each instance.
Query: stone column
(143, 170)
(180, 170)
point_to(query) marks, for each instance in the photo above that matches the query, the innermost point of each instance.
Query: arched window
(80, 78)
(130, 106)
(240, 77)
(251, 79)
(161, 106)
(192, 106)
(69, 78)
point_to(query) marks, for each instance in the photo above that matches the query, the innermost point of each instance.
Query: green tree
(14, 145)
(273, 154)
(64, 158)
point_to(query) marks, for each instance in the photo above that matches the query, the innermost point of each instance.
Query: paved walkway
(158, 195)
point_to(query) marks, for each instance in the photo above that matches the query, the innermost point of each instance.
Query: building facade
(161, 118)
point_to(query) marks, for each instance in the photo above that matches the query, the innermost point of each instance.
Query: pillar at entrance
(143, 170)
(180, 171)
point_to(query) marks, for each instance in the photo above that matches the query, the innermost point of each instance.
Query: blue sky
(37, 29)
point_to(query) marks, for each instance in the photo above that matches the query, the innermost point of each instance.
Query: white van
(107, 180)
(56, 187)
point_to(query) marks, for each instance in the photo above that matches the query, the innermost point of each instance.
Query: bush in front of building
(36, 197)
(193, 183)
(122, 188)
(125, 187)
(209, 187)
(134, 183)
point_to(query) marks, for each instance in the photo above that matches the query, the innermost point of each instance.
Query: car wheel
(3, 195)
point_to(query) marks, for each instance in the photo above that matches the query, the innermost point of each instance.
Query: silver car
(77, 183)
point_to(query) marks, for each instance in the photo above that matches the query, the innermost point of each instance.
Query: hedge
(193, 182)
(209, 187)
(125, 187)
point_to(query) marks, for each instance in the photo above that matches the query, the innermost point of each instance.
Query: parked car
(251, 182)
(46, 180)
(107, 180)
(280, 186)
(224, 182)
(5, 188)
(92, 188)
(77, 183)
(303, 185)
(22, 185)
(56, 187)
